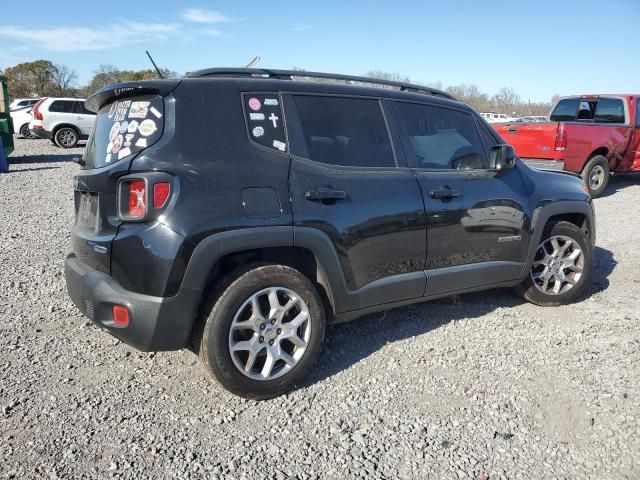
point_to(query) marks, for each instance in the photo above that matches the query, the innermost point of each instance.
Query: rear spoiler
(129, 89)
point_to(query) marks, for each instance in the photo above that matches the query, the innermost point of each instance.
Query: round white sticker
(258, 132)
(147, 127)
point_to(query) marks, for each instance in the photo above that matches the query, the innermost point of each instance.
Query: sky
(539, 48)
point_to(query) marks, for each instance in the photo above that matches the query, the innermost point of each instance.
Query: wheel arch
(575, 212)
(600, 151)
(222, 252)
(58, 126)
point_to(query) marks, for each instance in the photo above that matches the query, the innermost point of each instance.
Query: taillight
(161, 192)
(143, 197)
(36, 110)
(561, 138)
(137, 199)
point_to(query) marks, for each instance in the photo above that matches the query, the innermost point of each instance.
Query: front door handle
(444, 193)
(324, 194)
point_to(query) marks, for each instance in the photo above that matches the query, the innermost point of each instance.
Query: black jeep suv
(235, 212)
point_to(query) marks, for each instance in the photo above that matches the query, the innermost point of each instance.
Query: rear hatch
(130, 119)
(531, 140)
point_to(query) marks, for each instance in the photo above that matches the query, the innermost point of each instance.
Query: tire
(533, 288)
(53, 141)
(24, 131)
(232, 305)
(596, 174)
(66, 137)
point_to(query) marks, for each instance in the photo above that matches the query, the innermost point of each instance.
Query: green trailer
(6, 126)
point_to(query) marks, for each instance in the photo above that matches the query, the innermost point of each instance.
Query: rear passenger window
(610, 110)
(440, 138)
(340, 131)
(61, 106)
(565, 110)
(265, 125)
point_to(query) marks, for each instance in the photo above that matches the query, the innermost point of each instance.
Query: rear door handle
(444, 193)
(325, 194)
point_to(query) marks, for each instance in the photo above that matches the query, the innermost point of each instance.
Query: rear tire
(596, 174)
(66, 137)
(561, 268)
(262, 331)
(24, 131)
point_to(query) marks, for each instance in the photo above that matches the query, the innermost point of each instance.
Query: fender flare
(543, 213)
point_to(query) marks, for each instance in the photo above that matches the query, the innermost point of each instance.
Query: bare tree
(64, 78)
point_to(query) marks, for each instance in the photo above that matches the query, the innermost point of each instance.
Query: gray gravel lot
(478, 386)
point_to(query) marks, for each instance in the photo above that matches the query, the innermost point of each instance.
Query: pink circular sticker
(254, 104)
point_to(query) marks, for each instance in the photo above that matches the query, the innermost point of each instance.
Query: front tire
(66, 137)
(561, 268)
(596, 174)
(263, 332)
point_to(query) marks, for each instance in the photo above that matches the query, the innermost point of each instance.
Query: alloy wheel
(558, 265)
(270, 333)
(66, 137)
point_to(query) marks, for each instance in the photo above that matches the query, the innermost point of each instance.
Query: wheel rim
(596, 177)
(558, 265)
(66, 137)
(270, 333)
(24, 131)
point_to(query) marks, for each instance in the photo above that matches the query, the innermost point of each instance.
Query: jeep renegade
(237, 211)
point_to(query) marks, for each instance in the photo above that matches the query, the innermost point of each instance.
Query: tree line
(43, 78)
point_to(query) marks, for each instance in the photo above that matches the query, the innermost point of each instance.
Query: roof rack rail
(293, 74)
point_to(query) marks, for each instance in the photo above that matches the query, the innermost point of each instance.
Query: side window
(265, 124)
(487, 140)
(610, 110)
(61, 106)
(565, 110)
(341, 131)
(440, 138)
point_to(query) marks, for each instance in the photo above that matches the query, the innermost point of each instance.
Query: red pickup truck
(592, 135)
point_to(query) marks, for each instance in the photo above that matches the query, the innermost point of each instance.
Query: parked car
(21, 118)
(493, 117)
(20, 103)
(64, 121)
(203, 223)
(592, 135)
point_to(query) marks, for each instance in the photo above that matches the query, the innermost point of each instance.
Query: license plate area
(87, 216)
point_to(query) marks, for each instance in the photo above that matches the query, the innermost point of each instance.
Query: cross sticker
(274, 119)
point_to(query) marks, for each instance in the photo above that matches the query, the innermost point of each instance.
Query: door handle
(445, 193)
(512, 130)
(325, 194)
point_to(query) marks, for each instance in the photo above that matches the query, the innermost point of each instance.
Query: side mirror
(502, 157)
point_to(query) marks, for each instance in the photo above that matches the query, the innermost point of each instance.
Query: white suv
(20, 103)
(64, 121)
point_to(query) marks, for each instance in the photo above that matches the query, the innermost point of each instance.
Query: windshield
(124, 128)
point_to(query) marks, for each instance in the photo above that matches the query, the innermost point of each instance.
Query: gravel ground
(478, 386)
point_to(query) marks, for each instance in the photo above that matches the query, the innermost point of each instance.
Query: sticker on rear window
(265, 108)
(123, 128)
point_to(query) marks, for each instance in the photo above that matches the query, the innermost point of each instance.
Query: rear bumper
(544, 164)
(156, 323)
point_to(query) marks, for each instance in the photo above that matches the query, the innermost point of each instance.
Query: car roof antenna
(253, 62)
(154, 65)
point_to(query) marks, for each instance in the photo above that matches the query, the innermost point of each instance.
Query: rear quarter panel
(584, 139)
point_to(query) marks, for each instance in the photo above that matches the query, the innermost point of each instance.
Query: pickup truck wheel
(561, 267)
(264, 331)
(596, 175)
(66, 137)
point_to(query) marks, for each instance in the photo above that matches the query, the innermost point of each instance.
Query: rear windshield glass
(124, 128)
(565, 111)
